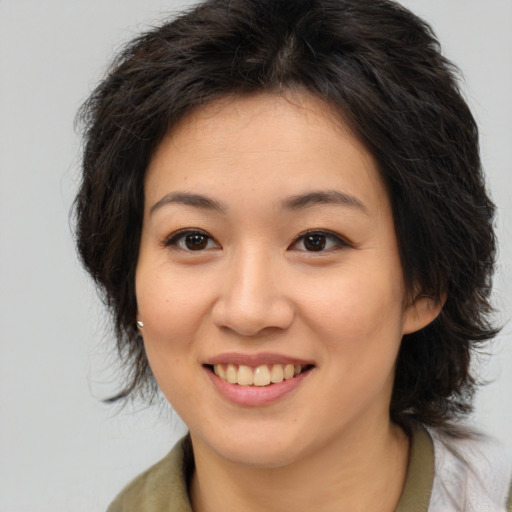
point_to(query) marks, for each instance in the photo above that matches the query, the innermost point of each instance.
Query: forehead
(293, 114)
(274, 144)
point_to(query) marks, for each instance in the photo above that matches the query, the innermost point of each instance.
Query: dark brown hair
(380, 68)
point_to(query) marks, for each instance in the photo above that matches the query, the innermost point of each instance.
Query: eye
(191, 240)
(318, 241)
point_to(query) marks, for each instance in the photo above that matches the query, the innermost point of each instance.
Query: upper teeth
(260, 376)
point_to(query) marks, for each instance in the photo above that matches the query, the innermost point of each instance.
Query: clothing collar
(163, 487)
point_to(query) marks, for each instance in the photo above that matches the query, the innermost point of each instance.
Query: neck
(360, 472)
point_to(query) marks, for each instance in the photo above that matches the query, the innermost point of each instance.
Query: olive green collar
(163, 487)
(420, 474)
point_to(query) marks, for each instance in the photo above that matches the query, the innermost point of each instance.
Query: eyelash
(178, 240)
(337, 241)
(180, 236)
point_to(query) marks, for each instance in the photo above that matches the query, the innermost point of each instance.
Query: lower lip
(252, 396)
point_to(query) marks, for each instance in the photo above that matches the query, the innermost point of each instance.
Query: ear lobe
(421, 312)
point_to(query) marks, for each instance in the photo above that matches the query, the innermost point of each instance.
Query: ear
(421, 312)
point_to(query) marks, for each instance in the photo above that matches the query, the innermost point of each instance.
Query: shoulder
(161, 488)
(471, 472)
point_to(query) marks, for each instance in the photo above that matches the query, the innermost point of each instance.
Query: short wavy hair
(380, 67)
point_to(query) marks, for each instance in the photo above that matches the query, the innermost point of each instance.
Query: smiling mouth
(263, 375)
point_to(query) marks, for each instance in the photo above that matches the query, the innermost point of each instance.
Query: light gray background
(60, 448)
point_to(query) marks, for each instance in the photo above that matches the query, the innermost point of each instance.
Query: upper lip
(255, 360)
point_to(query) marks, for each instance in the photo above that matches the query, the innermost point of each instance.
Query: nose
(252, 299)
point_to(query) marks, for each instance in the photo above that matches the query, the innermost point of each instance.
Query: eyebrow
(196, 200)
(296, 202)
(323, 197)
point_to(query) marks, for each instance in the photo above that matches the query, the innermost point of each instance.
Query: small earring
(140, 325)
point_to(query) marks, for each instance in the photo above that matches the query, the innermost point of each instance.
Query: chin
(259, 449)
(261, 456)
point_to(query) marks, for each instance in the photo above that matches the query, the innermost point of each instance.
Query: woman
(284, 206)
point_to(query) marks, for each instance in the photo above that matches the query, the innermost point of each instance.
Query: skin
(257, 287)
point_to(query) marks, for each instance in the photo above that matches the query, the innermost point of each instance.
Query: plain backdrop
(61, 448)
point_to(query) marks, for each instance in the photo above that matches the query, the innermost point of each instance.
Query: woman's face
(268, 243)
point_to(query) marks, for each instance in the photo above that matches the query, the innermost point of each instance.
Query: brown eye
(315, 242)
(191, 240)
(196, 241)
(319, 241)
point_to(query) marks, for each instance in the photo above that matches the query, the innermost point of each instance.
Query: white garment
(471, 475)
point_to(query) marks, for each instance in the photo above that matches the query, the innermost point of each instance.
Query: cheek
(171, 314)
(358, 300)
(170, 304)
(359, 315)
